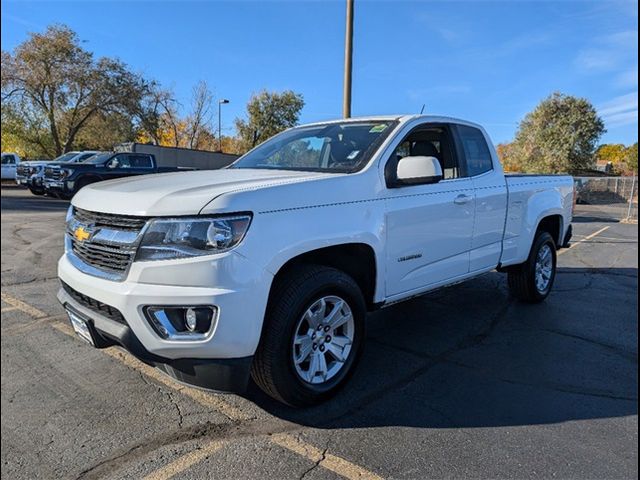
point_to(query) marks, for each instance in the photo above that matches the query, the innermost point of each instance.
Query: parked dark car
(65, 180)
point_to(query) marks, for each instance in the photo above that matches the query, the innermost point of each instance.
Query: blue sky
(486, 61)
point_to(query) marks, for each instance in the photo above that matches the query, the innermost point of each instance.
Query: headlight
(64, 173)
(190, 237)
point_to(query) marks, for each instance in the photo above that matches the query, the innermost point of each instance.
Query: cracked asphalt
(463, 382)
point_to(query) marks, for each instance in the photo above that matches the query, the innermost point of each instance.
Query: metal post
(348, 52)
(633, 187)
(220, 102)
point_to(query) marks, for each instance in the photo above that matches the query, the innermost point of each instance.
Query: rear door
(490, 190)
(429, 227)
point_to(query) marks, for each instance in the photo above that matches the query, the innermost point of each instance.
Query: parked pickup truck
(65, 180)
(31, 174)
(10, 161)
(268, 268)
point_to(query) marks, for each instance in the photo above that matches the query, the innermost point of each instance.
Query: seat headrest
(424, 149)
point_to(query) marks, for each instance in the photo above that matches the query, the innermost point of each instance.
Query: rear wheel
(312, 336)
(532, 281)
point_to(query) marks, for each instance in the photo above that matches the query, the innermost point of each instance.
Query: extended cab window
(428, 142)
(476, 150)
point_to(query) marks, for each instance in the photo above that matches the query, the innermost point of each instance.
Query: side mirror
(418, 171)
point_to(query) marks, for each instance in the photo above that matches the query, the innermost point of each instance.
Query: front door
(429, 227)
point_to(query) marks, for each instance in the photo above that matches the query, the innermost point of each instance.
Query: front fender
(274, 238)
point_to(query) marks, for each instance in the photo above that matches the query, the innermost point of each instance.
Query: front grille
(107, 220)
(110, 258)
(52, 173)
(94, 305)
(22, 170)
(112, 244)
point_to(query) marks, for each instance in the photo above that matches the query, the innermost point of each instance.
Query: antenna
(422, 109)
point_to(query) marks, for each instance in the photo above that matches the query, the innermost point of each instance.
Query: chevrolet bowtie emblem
(81, 234)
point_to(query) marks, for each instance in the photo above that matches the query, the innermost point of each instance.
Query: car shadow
(18, 199)
(471, 356)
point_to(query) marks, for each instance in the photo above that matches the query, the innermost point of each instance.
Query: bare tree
(199, 121)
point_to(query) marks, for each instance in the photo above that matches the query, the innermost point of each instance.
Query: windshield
(65, 157)
(98, 159)
(336, 147)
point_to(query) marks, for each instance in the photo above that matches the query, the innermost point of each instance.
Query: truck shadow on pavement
(470, 356)
(17, 199)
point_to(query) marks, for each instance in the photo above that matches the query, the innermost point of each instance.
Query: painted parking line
(585, 239)
(8, 309)
(325, 460)
(20, 305)
(185, 462)
(331, 462)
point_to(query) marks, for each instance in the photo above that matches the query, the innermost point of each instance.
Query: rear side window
(8, 160)
(476, 150)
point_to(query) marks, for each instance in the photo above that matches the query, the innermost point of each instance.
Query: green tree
(559, 136)
(55, 86)
(268, 113)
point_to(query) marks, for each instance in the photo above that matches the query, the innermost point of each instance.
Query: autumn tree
(57, 88)
(510, 162)
(631, 159)
(268, 113)
(560, 135)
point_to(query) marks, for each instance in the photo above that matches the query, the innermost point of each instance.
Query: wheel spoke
(322, 366)
(305, 344)
(341, 341)
(337, 352)
(314, 366)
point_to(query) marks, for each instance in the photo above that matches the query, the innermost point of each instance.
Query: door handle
(462, 199)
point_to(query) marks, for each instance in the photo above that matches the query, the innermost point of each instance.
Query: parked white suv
(269, 267)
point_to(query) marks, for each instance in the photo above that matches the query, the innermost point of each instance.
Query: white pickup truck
(268, 267)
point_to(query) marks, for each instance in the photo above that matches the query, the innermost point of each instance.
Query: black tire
(273, 368)
(36, 192)
(522, 278)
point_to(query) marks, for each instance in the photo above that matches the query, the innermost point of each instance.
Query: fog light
(182, 323)
(190, 319)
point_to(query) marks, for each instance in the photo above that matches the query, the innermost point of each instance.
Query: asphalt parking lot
(464, 382)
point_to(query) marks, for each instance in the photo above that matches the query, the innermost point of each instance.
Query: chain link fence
(611, 198)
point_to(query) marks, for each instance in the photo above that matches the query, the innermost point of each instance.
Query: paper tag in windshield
(378, 128)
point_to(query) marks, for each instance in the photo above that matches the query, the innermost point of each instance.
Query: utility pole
(348, 54)
(220, 102)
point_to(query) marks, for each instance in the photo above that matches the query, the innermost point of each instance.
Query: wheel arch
(357, 260)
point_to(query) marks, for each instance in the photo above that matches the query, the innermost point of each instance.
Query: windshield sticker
(378, 128)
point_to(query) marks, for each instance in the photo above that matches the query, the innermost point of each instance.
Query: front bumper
(219, 362)
(228, 375)
(56, 186)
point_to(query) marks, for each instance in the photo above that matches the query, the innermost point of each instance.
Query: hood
(179, 193)
(35, 163)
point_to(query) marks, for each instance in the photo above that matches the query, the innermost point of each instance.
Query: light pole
(220, 102)
(348, 52)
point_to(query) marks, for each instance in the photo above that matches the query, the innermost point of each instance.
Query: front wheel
(312, 336)
(532, 281)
